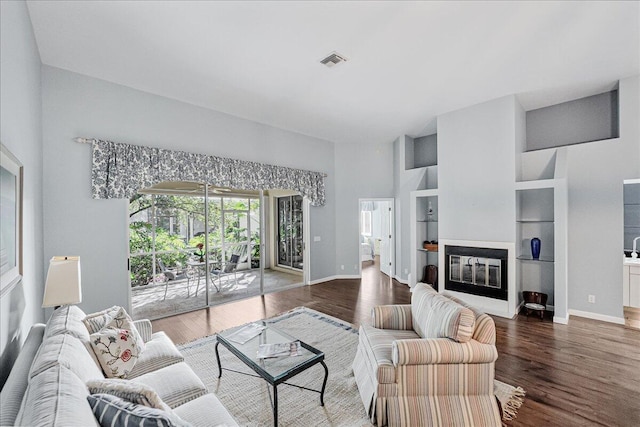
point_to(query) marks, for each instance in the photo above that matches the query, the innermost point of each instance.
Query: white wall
(594, 177)
(362, 171)
(21, 133)
(75, 224)
(476, 186)
(476, 172)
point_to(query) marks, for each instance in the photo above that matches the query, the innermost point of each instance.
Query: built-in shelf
(530, 258)
(424, 205)
(541, 211)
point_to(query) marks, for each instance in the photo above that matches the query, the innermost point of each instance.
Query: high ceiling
(407, 61)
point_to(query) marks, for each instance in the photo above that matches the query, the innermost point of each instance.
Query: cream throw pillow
(96, 321)
(132, 391)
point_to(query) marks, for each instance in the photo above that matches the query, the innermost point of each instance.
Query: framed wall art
(11, 174)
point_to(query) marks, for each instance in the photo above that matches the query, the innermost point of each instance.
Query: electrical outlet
(406, 271)
(592, 299)
(342, 267)
(355, 266)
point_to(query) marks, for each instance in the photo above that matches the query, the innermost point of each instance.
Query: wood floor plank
(586, 373)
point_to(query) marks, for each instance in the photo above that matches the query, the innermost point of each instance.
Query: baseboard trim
(401, 280)
(561, 320)
(597, 316)
(337, 277)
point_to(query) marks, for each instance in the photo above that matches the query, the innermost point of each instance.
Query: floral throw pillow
(117, 351)
(121, 320)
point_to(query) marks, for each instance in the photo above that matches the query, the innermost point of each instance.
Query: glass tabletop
(271, 368)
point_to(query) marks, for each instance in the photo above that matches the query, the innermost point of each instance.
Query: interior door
(385, 240)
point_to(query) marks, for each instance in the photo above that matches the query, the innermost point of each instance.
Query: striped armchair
(430, 363)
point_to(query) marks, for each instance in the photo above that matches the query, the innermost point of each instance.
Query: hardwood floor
(581, 374)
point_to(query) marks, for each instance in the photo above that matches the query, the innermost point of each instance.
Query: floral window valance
(120, 170)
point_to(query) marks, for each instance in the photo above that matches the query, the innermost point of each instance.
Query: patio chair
(170, 274)
(226, 269)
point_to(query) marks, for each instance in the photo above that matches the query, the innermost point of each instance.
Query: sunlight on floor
(148, 302)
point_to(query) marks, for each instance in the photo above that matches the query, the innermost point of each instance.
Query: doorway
(376, 235)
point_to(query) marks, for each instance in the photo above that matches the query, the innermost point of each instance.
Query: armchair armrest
(144, 328)
(425, 351)
(396, 317)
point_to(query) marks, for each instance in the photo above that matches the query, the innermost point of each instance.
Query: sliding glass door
(190, 247)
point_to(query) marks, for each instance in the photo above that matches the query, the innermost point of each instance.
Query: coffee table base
(274, 399)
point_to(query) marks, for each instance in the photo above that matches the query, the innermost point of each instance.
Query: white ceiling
(408, 61)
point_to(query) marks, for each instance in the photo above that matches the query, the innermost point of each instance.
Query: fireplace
(477, 271)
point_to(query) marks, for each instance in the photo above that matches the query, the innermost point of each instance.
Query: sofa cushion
(144, 328)
(96, 321)
(485, 330)
(436, 316)
(134, 392)
(175, 384)
(18, 379)
(67, 320)
(377, 346)
(158, 353)
(68, 351)
(206, 410)
(56, 397)
(117, 351)
(111, 411)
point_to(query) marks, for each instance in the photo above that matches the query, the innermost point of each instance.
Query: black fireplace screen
(478, 271)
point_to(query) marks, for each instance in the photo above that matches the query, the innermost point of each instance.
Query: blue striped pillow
(113, 411)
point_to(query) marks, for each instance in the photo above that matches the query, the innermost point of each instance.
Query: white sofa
(47, 384)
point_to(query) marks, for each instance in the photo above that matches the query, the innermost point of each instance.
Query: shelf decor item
(535, 248)
(431, 246)
(430, 212)
(430, 276)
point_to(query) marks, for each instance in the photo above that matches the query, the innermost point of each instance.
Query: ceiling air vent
(334, 58)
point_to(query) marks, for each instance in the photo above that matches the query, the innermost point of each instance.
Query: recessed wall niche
(593, 118)
(421, 152)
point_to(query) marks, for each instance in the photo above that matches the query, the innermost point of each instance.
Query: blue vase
(535, 248)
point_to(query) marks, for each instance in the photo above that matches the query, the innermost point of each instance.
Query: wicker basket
(431, 247)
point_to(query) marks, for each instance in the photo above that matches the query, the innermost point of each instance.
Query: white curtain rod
(82, 140)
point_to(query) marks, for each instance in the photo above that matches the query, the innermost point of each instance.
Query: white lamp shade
(63, 282)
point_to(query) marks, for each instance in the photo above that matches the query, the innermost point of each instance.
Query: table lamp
(63, 282)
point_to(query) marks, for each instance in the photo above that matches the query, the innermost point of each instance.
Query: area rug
(248, 400)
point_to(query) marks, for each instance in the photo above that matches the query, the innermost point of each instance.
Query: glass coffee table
(276, 370)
